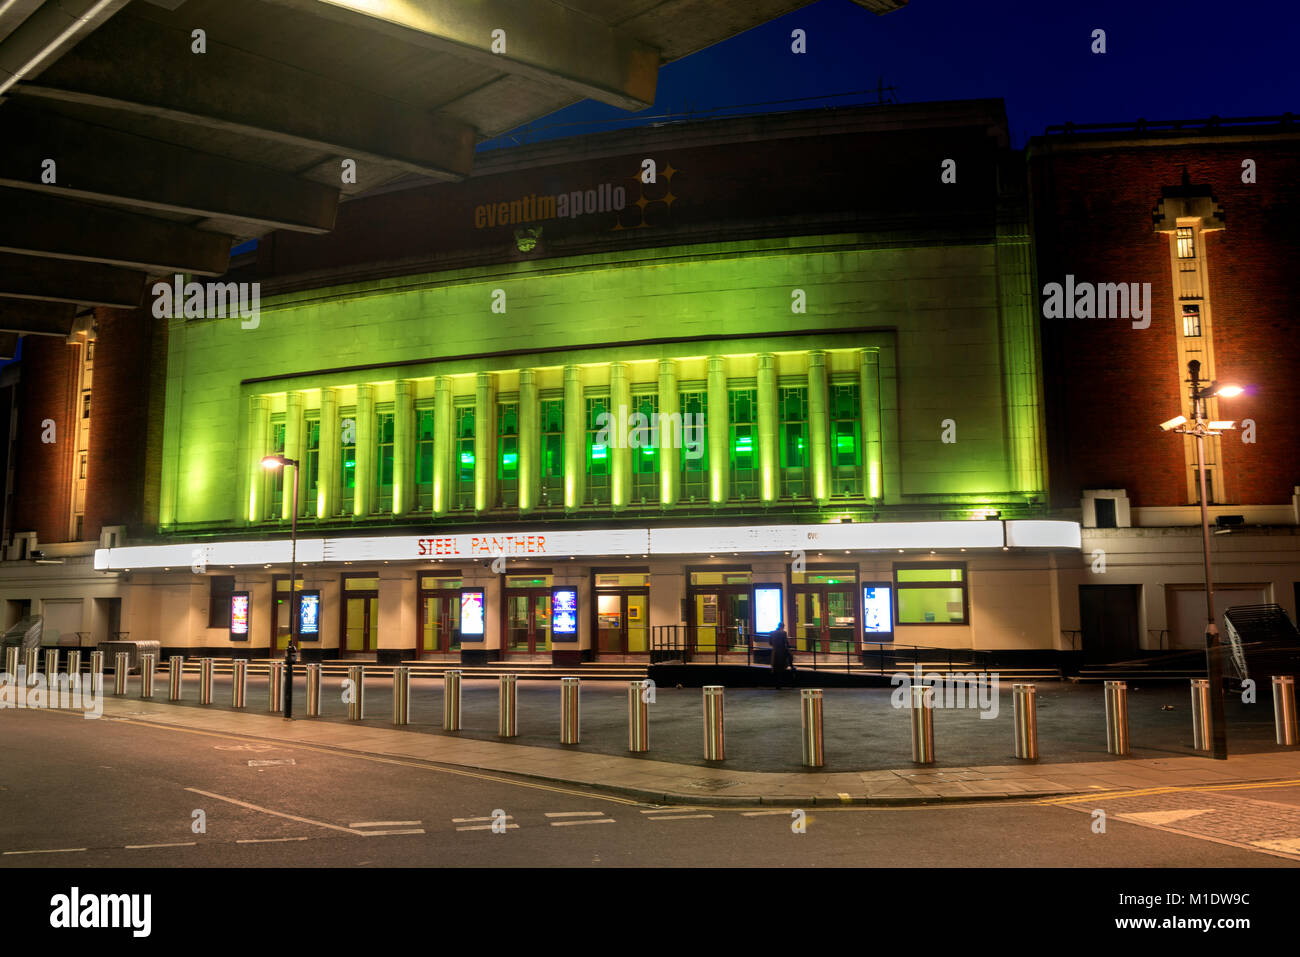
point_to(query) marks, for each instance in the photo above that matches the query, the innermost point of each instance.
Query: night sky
(1218, 59)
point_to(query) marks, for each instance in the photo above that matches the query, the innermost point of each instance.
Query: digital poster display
(878, 611)
(564, 614)
(309, 615)
(471, 614)
(239, 608)
(767, 608)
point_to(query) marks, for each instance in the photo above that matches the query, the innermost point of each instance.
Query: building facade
(658, 385)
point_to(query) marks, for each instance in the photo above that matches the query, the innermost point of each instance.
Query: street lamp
(1199, 427)
(276, 462)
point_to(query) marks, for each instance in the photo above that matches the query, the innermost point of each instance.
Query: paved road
(78, 793)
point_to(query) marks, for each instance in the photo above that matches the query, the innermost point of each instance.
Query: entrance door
(1109, 618)
(360, 624)
(528, 621)
(439, 624)
(721, 618)
(825, 617)
(622, 622)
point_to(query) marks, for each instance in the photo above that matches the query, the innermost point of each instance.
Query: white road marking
(574, 813)
(385, 823)
(268, 840)
(467, 820)
(53, 850)
(140, 847)
(291, 817)
(680, 817)
(269, 762)
(785, 811)
(488, 827)
(418, 830)
(590, 820)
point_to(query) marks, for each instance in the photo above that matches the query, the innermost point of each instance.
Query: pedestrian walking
(780, 655)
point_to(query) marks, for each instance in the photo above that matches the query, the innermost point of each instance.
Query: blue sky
(1164, 60)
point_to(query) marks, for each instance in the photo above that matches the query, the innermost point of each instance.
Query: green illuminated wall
(951, 337)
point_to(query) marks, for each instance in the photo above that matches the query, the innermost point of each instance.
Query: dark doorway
(1109, 617)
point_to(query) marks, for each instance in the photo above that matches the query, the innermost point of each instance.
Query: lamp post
(1199, 427)
(276, 462)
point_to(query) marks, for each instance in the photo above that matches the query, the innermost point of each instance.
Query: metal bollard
(357, 699)
(508, 706)
(239, 683)
(1201, 714)
(51, 663)
(275, 687)
(120, 670)
(402, 695)
(29, 661)
(638, 717)
(570, 710)
(74, 668)
(146, 677)
(922, 701)
(1024, 705)
(205, 681)
(313, 690)
(1117, 717)
(714, 746)
(175, 677)
(451, 701)
(810, 701)
(96, 672)
(11, 661)
(1284, 717)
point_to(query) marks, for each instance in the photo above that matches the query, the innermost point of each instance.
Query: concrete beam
(245, 95)
(881, 7)
(106, 165)
(47, 34)
(544, 41)
(55, 228)
(36, 318)
(91, 284)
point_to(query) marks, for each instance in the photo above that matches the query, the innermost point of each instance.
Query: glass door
(528, 621)
(638, 623)
(808, 619)
(439, 624)
(825, 618)
(360, 624)
(611, 618)
(841, 620)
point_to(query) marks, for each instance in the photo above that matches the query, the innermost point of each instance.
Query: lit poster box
(309, 615)
(239, 611)
(471, 614)
(878, 612)
(564, 614)
(767, 609)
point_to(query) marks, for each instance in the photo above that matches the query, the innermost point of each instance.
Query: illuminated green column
(670, 435)
(293, 449)
(530, 441)
(331, 438)
(873, 472)
(403, 446)
(620, 411)
(768, 483)
(575, 439)
(719, 417)
(259, 428)
(363, 495)
(485, 443)
(818, 428)
(444, 429)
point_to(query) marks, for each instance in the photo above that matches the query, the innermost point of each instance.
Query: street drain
(714, 785)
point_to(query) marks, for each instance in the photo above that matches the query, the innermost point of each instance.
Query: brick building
(1201, 215)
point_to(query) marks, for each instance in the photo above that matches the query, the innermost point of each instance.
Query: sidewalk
(662, 782)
